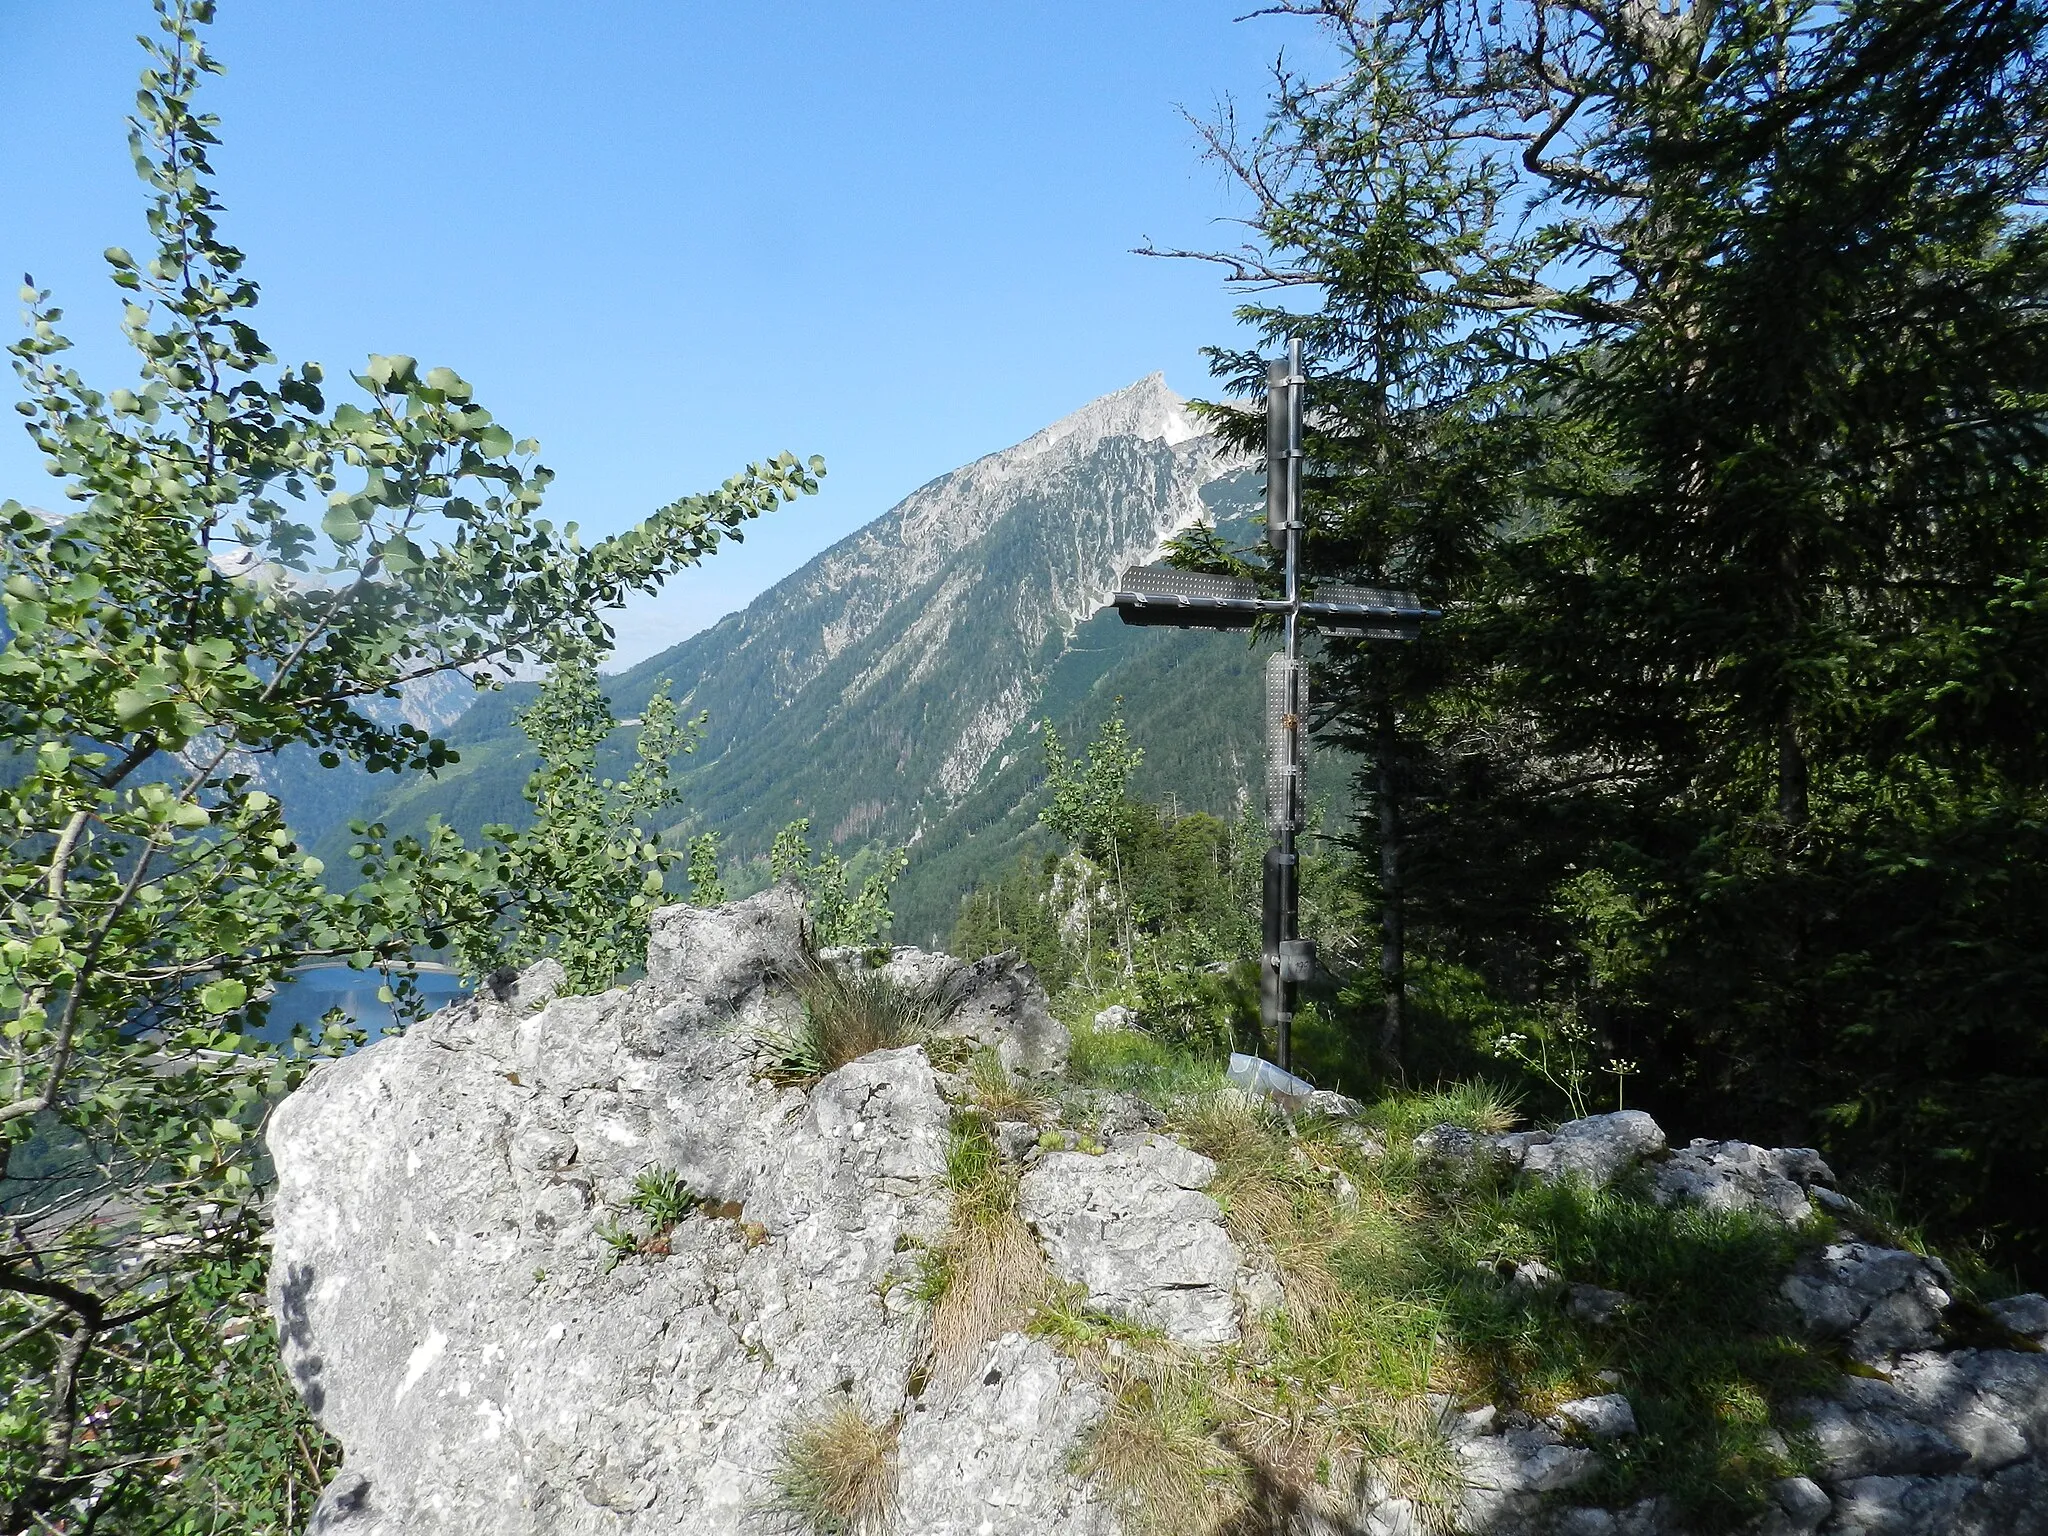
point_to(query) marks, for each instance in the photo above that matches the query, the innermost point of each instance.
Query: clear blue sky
(665, 238)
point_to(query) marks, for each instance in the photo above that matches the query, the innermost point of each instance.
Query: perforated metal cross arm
(1160, 594)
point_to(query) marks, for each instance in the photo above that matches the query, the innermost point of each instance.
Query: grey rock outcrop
(458, 1305)
(1000, 1005)
(2025, 1315)
(1736, 1176)
(451, 1313)
(1135, 1229)
(1597, 1149)
(1876, 1300)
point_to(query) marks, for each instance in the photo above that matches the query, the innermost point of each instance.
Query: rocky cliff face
(905, 655)
(876, 687)
(470, 1304)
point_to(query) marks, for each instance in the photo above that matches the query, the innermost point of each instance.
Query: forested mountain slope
(889, 690)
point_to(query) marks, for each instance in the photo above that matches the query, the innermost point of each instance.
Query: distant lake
(303, 998)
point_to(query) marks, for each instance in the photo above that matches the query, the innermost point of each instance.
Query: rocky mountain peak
(1148, 410)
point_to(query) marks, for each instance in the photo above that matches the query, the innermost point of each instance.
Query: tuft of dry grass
(838, 1474)
(995, 1280)
(1157, 1454)
(1002, 1095)
(987, 1276)
(847, 1012)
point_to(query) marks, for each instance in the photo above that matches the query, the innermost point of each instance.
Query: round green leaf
(223, 996)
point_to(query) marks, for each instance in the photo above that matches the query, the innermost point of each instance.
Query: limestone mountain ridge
(889, 689)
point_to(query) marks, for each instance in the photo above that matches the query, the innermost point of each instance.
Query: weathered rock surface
(1597, 1149)
(1736, 1176)
(1134, 1227)
(448, 1310)
(1001, 1005)
(1876, 1300)
(452, 1310)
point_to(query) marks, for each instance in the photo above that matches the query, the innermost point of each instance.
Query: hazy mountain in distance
(889, 689)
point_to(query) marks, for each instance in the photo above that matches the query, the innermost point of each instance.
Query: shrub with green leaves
(251, 557)
(580, 882)
(838, 918)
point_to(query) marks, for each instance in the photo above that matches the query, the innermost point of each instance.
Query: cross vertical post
(1284, 957)
(1162, 595)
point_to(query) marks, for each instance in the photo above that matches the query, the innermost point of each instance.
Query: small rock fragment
(1592, 1304)
(1606, 1417)
(1335, 1105)
(1122, 1114)
(1446, 1144)
(2027, 1315)
(1016, 1139)
(1803, 1500)
(1535, 1275)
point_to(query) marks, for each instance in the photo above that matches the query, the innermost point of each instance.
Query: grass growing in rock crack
(836, 1474)
(1001, 1094)
(846, 1012)
(986, 1276)
(661, 1199)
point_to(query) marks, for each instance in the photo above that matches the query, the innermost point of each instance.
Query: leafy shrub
(838, 916)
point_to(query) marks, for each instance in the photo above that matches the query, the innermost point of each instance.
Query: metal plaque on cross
(1162, 595)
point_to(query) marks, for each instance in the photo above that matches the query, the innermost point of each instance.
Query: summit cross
(1161, 595)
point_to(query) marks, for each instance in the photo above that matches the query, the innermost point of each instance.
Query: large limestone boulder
(452, 1313)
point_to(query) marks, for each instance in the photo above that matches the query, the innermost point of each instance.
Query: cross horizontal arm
(1161, 595)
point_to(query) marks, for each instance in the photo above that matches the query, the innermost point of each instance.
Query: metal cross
(1159, 594)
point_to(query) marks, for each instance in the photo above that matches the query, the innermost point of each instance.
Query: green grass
(846, 1012)
(1127, 1061)
(1704, 1350)
(1396, 1281)
(986, 1276)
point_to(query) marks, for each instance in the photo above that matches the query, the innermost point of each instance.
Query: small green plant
(662, 1197)
(846, 1012)
(622, 1241)
(1555, 1048)
(838, 916)
(836, 1474)
(706, 888)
